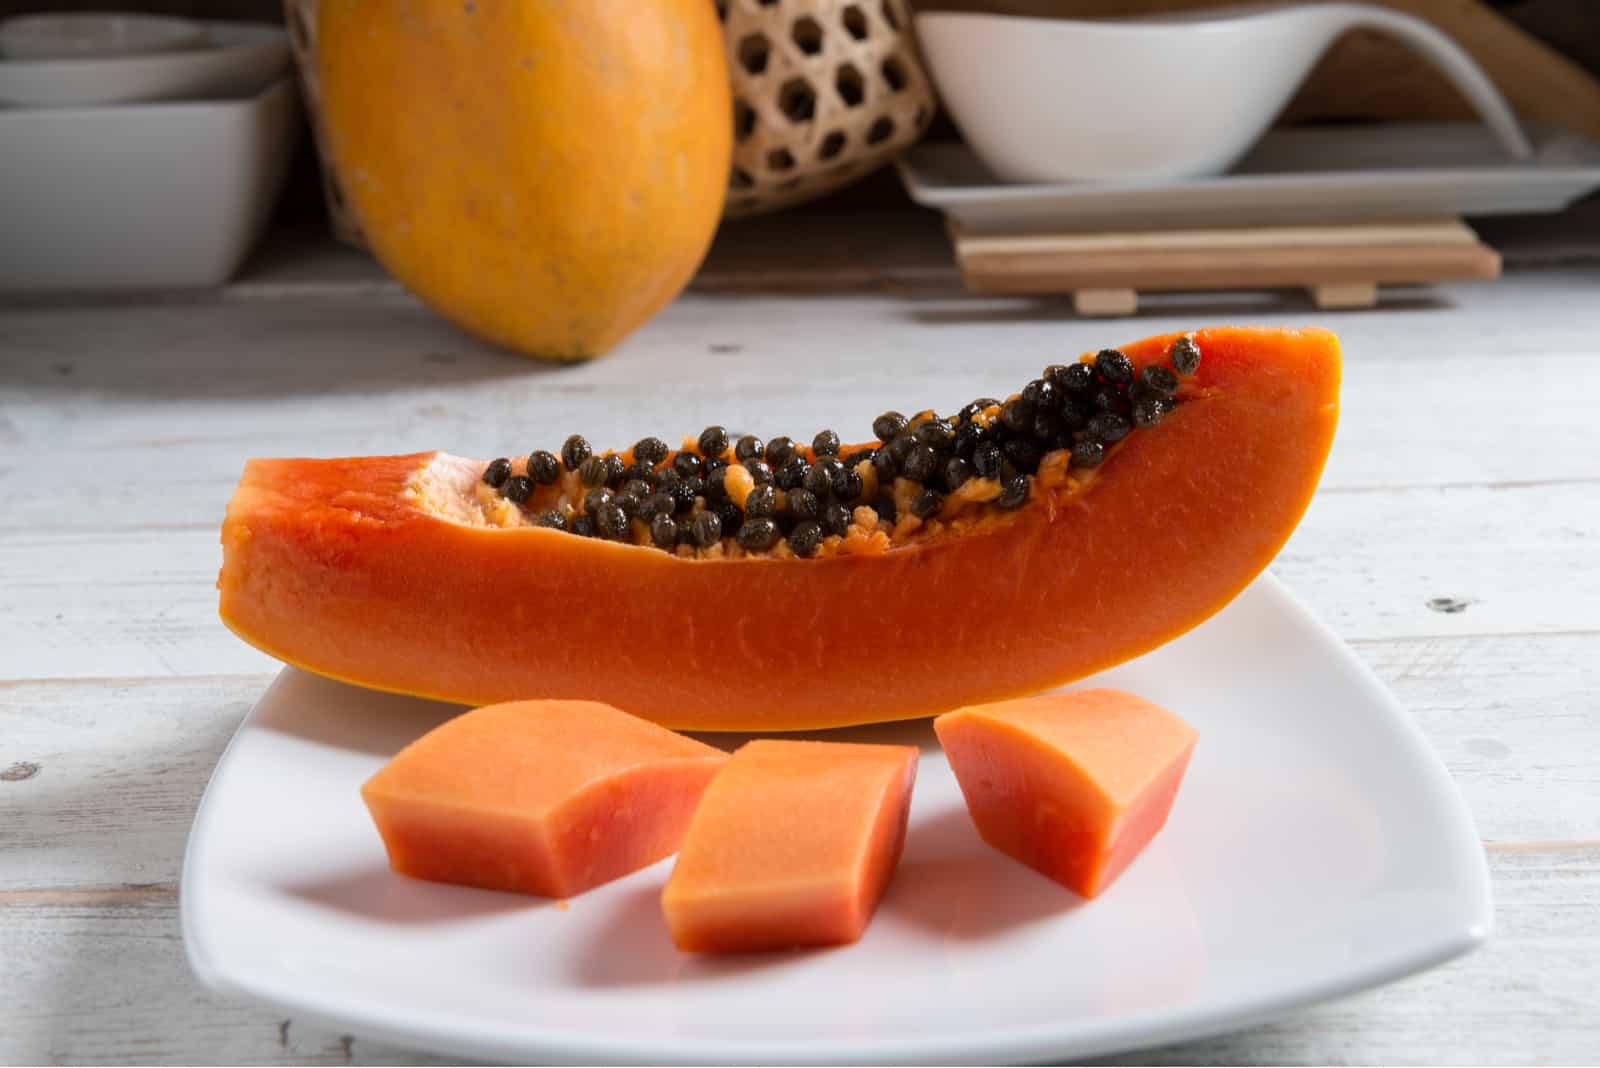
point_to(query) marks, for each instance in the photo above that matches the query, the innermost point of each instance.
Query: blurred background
(1547, 50)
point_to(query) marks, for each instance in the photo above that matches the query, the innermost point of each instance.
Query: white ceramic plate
(234, 59)
(1317, 847)
(1296, 175)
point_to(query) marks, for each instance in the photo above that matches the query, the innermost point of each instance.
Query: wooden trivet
(1341, 265)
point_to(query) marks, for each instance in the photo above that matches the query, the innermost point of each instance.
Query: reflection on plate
(1317, 847)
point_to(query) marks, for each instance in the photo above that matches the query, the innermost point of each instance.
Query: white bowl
(92, 33)
(237, 59)
(1181, 96)
(140, 196)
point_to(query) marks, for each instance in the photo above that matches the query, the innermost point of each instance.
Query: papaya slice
(1072, 784)
(1102, 517)
(538, 797)
(793, 845)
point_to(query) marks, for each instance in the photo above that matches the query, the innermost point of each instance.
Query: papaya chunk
(538, 797)
(435, 575)
(1072, 784)
(793, 845)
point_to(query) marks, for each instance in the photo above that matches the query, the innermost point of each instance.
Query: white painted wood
(1453, 543)
(1516, 558)
(143, 415)
(109, 774)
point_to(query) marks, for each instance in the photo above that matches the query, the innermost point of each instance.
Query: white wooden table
(1454, 544)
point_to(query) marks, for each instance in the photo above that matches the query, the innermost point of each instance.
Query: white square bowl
(140, 196)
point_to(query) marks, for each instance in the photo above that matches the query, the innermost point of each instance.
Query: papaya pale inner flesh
(406, 573)
(793, 844)
(539, 797)
(1072, 784)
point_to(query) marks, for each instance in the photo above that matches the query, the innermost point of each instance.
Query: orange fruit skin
(328, 565)
(547, 176)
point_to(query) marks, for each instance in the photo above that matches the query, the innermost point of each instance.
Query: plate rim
(999, 206)
(435, 1032)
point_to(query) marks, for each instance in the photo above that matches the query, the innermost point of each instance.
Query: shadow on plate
(353, 718)
(379, 895)
(917, 732)
(633, 949)
(343, 716)
(956, 886)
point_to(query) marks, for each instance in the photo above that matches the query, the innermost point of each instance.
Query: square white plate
(1294, 176)
(1317, 847)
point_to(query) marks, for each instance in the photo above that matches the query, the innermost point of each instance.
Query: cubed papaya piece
(793, 845)
(1073, 784)
(539, 797)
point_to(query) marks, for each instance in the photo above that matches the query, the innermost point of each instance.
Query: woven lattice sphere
(824, 91)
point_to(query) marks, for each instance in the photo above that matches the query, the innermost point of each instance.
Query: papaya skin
(545, 176)
(327, 566)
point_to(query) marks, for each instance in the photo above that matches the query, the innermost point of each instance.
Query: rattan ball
(824, 91)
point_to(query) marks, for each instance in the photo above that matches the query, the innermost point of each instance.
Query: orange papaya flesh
(538, 797)
(392, 572)
(1072, 784)
(793, 845)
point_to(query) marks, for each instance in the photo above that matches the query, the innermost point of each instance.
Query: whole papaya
(546, 174)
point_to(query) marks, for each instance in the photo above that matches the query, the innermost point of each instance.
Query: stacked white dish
(138, 152)
(1154, 122)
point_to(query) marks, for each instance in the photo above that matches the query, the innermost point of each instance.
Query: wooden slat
(1345, 295)
(127, 417)
(1222, 240)
(115, 769)
(1223, 259)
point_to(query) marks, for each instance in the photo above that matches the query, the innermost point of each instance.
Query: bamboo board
(1340, 265)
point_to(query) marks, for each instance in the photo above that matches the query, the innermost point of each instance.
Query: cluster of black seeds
(803, 496)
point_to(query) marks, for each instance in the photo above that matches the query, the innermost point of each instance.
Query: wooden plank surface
(134, 367)
(1452, 543)
(1334, 256)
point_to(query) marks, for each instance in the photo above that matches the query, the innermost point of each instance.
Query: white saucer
(1297, 175)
